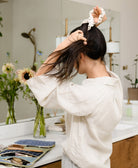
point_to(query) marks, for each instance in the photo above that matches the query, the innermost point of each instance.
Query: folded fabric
(37, 143)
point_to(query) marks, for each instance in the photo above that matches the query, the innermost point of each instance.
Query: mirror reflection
(30, 29)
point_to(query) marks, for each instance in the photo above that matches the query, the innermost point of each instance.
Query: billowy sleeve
(69, 96)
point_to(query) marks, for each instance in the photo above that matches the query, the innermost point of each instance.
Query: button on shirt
(92, 110)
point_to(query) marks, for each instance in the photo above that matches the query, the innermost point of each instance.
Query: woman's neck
(96, 69)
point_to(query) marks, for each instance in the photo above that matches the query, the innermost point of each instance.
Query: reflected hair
(70, 56)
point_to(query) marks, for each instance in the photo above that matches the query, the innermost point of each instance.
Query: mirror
(73, 12)
(48, 19)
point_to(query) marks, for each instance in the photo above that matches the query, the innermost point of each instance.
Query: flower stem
(11, 113)
(39, 122)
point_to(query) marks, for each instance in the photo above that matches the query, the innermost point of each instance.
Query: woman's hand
(96, 13)
(77, 35)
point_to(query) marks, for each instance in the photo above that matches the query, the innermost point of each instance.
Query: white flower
(7, 68)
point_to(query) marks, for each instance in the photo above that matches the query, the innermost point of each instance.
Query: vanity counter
(125, 129)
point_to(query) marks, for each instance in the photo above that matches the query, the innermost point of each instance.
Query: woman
(92, 109)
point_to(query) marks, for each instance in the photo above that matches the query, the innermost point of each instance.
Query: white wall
(6, 39)
(128, 32)
(5, 44)
(45, 16)
(106, 4)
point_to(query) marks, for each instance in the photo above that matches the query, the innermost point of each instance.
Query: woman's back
(91, 135)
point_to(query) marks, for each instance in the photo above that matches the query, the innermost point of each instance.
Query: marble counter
(125, 129)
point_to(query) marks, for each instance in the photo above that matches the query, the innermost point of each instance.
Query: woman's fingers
(80, 37)
(77, 35)
(96, 13)
(79, 31)
(98, 10)
(104, 18)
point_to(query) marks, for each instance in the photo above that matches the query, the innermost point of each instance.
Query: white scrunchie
(90, 20)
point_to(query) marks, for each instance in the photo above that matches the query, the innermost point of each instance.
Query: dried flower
(8, 68)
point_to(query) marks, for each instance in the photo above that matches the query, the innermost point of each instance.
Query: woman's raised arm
(75, 36)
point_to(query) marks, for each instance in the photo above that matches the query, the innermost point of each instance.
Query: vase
(133, 93)
(39, 123)
(11, 113)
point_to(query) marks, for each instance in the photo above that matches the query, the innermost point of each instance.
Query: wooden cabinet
(125, 155)
(52, 165)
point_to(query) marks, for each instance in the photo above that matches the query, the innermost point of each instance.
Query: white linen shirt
(92, 111)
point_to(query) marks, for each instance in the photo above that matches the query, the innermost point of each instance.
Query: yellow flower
(25, 74)
(7, 68)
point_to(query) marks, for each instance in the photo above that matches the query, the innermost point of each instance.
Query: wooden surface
(52, 165)
(125, 155)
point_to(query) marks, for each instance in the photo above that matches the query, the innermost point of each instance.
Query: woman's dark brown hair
(70, 56)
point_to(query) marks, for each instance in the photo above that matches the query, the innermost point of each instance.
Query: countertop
(125, 129)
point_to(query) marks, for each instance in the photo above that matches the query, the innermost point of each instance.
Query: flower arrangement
(39, 123)
(133, 84)
(133, 91)
(9, 89)
(26, 74)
